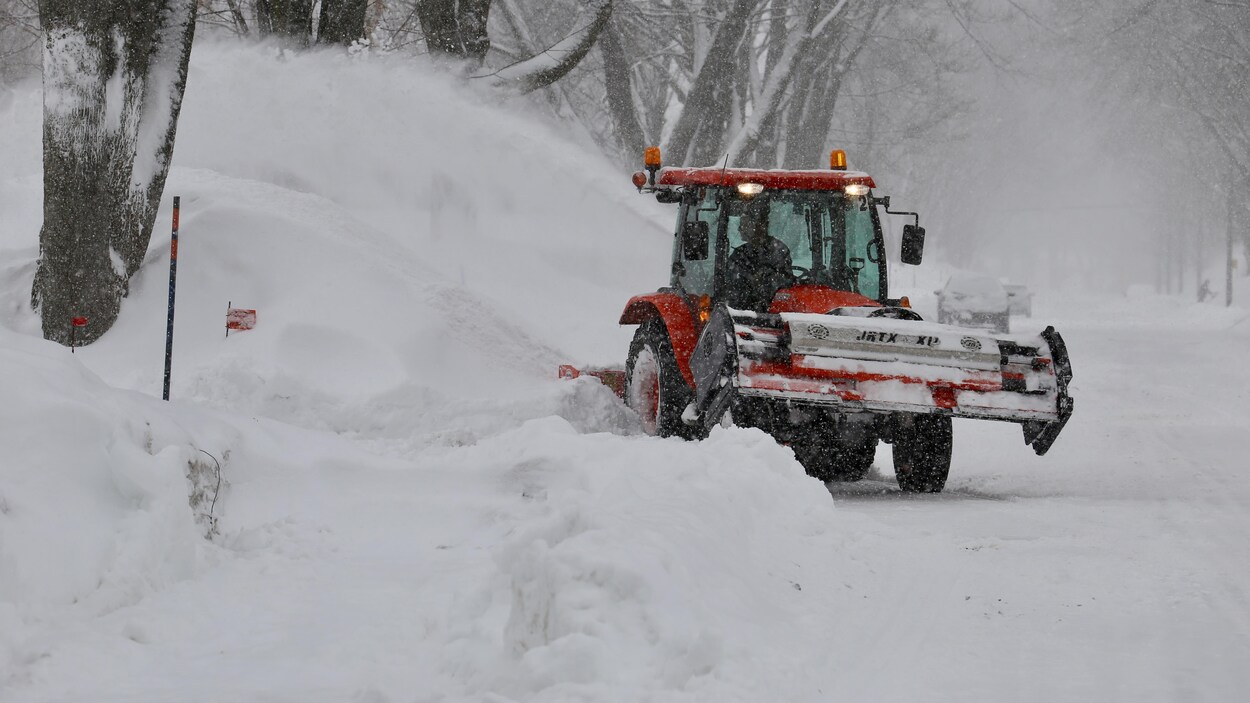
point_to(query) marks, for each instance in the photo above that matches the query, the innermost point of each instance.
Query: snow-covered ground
(411, 509)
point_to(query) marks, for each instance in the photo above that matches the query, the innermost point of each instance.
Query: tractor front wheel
(654, 386)
(922, 452)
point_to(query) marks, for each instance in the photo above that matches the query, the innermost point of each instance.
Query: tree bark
(114, 76)
(811, 122)
(618, 84)
(456, 28)
(795, 46)
(289, 19)
(699, 132)
(555, 63)
(342, 21)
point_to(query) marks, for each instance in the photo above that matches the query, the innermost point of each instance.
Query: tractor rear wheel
(654, 386)
(827, 457)
(922, 452)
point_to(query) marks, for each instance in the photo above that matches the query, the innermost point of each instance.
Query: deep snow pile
(420, 263)
(106, 495)
(522, 564)
(404, 243)
(411, 232)
(93, 501)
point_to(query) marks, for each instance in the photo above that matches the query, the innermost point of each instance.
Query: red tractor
(778, 312)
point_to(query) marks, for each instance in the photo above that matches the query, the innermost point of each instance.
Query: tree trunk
(289, 19)
(776, 33)
(342, 21)
(812, 117)
(794, 47)
(456, 28)
(810, 125)
(618, 84)
(114, 75)
(699, 133)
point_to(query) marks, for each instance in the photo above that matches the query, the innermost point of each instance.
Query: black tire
(836, 462)
(828, 456)
(922, 452)
(659, 400)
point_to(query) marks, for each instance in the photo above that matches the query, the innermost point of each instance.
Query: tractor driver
(760, 266)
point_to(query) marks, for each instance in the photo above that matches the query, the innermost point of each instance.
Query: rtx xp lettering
(896, 338)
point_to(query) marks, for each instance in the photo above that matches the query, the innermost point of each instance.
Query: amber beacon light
(651, 161)
(837, 160)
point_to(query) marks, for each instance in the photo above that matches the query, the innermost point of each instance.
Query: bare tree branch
(556, 61)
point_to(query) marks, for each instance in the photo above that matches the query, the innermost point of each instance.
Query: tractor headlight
(856, 190)
(749, 189)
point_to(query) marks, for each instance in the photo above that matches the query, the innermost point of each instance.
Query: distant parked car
(1019, 299)
(974, 300)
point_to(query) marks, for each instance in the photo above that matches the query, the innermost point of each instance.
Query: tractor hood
(817, 299)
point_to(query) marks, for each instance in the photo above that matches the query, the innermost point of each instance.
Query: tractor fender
(674, 311)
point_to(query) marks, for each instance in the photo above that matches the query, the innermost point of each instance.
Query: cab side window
(694, 248)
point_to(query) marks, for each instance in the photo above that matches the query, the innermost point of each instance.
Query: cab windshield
(831, 237)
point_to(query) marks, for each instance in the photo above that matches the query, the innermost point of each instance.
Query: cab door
(694, 248)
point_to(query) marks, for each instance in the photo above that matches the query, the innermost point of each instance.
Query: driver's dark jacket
(757, 269)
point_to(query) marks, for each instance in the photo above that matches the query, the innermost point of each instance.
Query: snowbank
(629, 576)
(492, 199)
(94, 511)
(82, 462)
(420, 262)
(388, 263)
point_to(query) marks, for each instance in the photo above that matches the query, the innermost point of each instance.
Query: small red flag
(79, 321)
(240, 319)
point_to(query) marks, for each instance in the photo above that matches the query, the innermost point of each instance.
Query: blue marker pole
(173, 280)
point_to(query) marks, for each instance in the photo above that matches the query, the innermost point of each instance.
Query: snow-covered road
(1114, 568)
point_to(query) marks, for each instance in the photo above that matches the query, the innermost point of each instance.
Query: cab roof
(772, 179)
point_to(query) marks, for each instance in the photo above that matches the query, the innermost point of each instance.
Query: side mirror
(913, 244)
(694, 236)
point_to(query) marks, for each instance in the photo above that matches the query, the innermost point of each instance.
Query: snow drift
(420, 262)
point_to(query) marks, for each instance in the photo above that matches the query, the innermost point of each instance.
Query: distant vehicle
(974, 300)
(1019, 299)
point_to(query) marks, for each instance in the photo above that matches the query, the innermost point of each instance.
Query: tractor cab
(821, 247)
(818, 243)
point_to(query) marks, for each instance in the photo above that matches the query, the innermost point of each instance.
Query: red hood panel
(817, 299)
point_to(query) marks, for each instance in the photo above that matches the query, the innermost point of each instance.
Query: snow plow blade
(883, 360)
